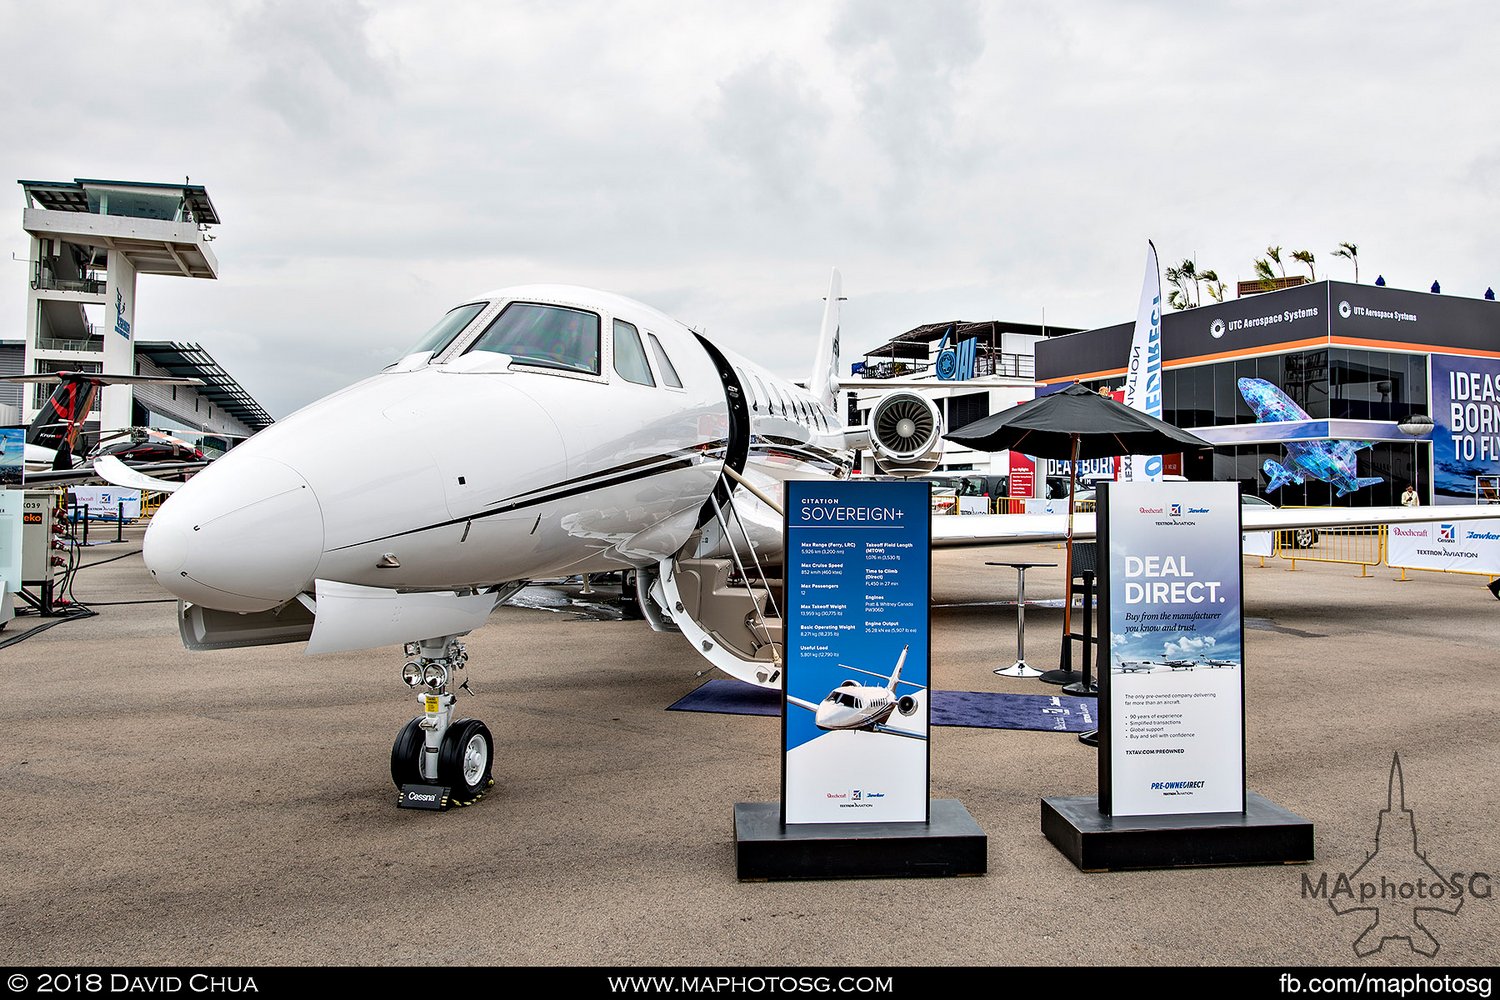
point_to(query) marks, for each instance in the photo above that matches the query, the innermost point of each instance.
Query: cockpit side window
(544, 336)
(441, 334)
(664, 363)
(630, 356)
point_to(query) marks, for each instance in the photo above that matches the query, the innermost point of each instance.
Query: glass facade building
(1354, 360)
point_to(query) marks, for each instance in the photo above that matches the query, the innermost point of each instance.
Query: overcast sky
(374, 163)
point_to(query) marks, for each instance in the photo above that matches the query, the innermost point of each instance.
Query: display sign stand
(855, 757)
(1171, 695)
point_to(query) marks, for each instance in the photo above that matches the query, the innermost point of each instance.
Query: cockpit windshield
(445, 329)
(847, 700)
(546, 336)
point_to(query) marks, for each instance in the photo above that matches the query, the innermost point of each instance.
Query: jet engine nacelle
(906, 434)
(906, 704)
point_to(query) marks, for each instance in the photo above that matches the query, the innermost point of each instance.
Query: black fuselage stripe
(616, 470)
(521, 504)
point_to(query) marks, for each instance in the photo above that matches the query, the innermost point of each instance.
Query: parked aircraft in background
(853, 705)
(1332, 462)
(53, 438)
(606, 436)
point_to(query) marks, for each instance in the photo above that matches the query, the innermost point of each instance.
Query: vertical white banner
(1143, 370)
(1175, 690)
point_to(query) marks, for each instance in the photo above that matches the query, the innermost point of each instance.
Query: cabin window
(544, 336)
(664, 363)
(444, 330)
(630, 356)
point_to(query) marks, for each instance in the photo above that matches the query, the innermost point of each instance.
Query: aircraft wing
(138, 478)
(957, 530)
(800, 703)
(893, 731)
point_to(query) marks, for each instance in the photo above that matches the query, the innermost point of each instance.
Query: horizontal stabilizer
(117, 473)
(1279, 475)
(355, 617)
(100, 379)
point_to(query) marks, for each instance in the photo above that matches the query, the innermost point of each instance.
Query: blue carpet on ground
(973, 709)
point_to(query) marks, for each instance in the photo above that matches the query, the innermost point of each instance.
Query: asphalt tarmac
(162, 807)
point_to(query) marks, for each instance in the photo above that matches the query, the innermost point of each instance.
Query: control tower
(89, 241)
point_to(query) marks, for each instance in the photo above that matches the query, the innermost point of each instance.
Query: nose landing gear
(435, 748)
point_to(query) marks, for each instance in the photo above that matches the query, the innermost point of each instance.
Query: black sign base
(424, 797)
(950, 844)
(1265, 834)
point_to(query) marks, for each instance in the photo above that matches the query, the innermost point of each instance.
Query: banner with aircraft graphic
(1465, 401)
(855, 705)
(1172, 699)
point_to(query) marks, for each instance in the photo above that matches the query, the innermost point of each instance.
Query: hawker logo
(1216, 329)
(1344, 310)
(1488, 536)
(1396, 888)
(1446, 533)
(1198, 510)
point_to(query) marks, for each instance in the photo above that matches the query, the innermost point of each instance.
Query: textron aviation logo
(1396, 889)
(1446, 533)
(1345, 310)
(1216, 329)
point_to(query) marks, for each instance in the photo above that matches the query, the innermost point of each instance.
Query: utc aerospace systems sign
(854, 724)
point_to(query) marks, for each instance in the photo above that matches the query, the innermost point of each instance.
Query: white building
(90, 240)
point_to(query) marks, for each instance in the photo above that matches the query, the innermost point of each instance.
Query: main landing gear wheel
(465, 760)
(406, 754)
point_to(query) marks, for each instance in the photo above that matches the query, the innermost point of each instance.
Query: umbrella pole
(1067, 656)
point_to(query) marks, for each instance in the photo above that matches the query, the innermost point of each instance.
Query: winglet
(824, 381)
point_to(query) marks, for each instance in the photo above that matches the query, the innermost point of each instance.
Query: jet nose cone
(244, 536)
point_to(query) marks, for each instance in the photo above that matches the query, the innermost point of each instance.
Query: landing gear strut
(435, 748)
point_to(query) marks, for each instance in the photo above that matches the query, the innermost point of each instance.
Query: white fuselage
(855, 706)
(467, 468)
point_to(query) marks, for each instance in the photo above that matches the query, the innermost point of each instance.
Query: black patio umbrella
(1072, 424)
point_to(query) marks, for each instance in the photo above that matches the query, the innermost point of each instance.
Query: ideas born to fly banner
(1172, 700)
(855, 714)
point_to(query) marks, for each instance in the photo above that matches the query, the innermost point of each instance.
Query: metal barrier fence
(1357, 545)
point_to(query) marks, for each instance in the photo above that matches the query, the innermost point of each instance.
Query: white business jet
(605, 437)
(853, 705)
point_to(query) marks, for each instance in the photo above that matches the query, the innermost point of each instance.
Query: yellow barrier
(1359, 545)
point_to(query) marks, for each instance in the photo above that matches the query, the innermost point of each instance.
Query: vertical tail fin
(824, 381)
(59, 420)
(901, 662)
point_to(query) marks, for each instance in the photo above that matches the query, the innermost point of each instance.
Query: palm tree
(1184, 279)
(1306, 257)
(1349, 252)
(1215, 286)
(1265, 275)
(1273, 254)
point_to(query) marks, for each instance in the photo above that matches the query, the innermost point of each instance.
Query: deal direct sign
(855, 711)
(1172, 700)
(1465, 394)
(1460, 546)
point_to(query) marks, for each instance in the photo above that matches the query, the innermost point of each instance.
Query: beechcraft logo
(1446, 533)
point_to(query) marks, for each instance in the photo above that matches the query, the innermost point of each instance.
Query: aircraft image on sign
(1181, 664)
(853, 705)
(1138, 666)
(1332, 462)
(1216, 664)
(605, 437)
(134, 458)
